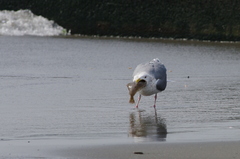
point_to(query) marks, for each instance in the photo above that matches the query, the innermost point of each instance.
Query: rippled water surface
(75, 88)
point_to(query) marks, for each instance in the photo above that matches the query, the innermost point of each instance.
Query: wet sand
(150, 151)
(74, 149)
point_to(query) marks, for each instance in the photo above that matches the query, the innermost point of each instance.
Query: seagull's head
(142, 79)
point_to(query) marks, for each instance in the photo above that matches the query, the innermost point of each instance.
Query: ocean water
(72, 88)
(24, 22)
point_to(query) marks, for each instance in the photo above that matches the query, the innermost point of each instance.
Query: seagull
(148, 79)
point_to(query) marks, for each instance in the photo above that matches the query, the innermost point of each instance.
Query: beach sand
(218, 150)
(163, 150)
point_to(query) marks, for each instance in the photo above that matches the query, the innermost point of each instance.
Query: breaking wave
(24, 22)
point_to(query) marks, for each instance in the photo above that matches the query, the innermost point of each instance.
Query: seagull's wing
(161, 75)
(158, 70)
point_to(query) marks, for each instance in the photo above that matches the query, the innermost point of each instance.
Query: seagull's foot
(136, 106)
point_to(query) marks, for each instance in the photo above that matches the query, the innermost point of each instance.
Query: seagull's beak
(138, 80)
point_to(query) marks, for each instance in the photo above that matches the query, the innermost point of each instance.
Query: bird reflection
(147, 127)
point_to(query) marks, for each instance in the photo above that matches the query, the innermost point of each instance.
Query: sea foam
(24, 22)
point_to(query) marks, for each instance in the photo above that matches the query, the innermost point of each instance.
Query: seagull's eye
(145, 77)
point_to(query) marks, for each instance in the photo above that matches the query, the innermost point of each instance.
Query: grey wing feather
(160, 73)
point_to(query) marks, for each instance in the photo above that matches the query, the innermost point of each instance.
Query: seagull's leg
(155, 99)
(139, 98)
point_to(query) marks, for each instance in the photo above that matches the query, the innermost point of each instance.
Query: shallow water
(75, 88)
